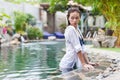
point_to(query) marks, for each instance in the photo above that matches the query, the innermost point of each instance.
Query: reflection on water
(34, 61)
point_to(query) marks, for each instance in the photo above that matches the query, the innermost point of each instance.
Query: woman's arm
(86, 58)
(88, 61)
(85, 65)
(81, 57)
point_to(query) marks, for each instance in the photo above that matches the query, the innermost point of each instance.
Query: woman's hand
(93, 64)
(88, 67)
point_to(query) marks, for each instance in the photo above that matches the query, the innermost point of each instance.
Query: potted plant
(109, 32)
(62, 27)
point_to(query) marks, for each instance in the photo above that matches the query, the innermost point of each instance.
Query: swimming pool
(31, 61)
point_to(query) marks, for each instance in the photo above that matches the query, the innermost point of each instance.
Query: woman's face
(74, 18)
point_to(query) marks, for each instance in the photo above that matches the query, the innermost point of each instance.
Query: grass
(111, 49)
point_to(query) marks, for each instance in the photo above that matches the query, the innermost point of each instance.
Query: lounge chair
(59, 35)
(46, 35)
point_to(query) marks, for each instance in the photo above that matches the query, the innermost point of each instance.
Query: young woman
(75, 51)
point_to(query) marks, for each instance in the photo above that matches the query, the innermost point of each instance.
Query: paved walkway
(109, 54)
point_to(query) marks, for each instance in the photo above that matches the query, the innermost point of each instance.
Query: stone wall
(60, 19)
(9, 8)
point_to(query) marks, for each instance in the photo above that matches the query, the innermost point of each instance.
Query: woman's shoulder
(69, 28)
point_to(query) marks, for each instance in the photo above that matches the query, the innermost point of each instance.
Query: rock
(95, 43)
(108, 41)
(16, 36)
(99, 77)
(15, 42)
(51, 38)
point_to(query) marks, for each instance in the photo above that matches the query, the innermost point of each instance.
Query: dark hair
(71, 10)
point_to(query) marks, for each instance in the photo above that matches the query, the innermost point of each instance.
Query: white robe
(73, 46)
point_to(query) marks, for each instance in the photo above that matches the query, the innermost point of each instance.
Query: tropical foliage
(58, 5)
(21, 20)
(111, 10)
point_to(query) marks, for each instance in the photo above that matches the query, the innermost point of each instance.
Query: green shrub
(34, 33)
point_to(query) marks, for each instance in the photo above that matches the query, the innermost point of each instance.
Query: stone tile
(73, 77)
(56, 78)
(68, 74)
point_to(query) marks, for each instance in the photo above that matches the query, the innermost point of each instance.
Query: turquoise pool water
(31, 61)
